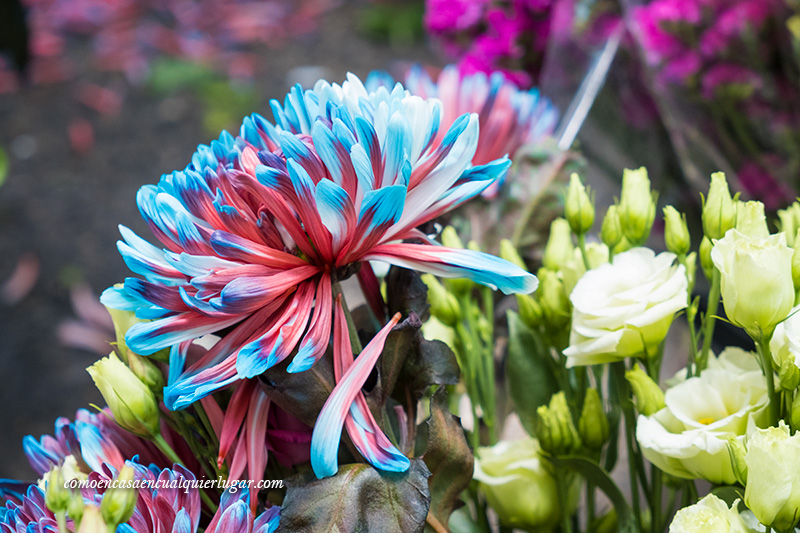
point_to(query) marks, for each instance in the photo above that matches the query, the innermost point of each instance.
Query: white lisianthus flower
(524, 494)
(688, 437)
(755, 280)
(785, 342)
(624, 308)
(773, 476)
(709, 515)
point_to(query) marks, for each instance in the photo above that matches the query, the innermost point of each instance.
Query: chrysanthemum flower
(257, 229)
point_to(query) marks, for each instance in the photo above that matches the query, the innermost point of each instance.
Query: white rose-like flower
(709, 515)
(624, 308)
(755, 280)
(688, 437)
(785, 342)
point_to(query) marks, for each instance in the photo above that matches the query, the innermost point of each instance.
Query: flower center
(706, 421)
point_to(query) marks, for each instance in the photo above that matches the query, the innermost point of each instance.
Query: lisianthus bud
(751, 220)
(575, 268)
(559, 245)
(709, 515)
(789, 375)
(56, 495)
(796, 262)
(133, 404)
(444, 305)
(554, 301)
(593, 423)
(719, 209)
(143, 367)
(450, 238)
(773, 478)
(691, 268)
(611, 230)
(509, 252)
(705, 258)
(756, 280)
(75, 507)
(530, 312)
(737, 453)
(676, 232)
(637, 207)
(579, 208)
(519, 487)
(92, 521)
(555, 427)
(649, 396)
(119, 501)
(790, 221)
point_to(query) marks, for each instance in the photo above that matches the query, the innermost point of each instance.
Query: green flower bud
(649, 396)
(143, 367)
(579, 208)
(56, 495)
(719, 209)
(119, 502)
(611, 230)
(450, 238)
(737, 451)
(510, 254)
(559, 245)
(751, 220)
(444, 305)
(637, 207)
(555, 428)
(556, 307)
(676, 232)
(789, 375)
(530, 312)
(133, 404)
(705, 258)
(796, 262)
(773, 479)
(92, 521)
(433, 329)
(593, 423)
(691, 269)
(790, 221)
(520, 488)
(75, 507)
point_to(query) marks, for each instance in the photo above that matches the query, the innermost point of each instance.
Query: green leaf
(402, 340)
(433, 363)
(531, 381)
(448, 457)
(357, 498)
(406, 292)
(592, 472)
(169, 75)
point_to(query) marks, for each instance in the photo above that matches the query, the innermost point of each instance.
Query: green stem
(582, 248)
(762, 345)
(627, 410)
(61, 519)
(563, 496)
(167, 450)
(709, 320)
(656, 499)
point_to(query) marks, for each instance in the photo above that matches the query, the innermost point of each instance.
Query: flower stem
(582, 248)
(61, 519)
(167, 450)
(563, 490)
(762, 345)
(709, 321)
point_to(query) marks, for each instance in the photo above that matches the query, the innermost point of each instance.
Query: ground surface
(64, 209)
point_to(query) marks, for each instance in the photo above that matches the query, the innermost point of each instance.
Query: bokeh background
(118, 93)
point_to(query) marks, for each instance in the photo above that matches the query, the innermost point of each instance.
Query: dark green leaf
(406, 293)
(402, 340)
(434, 363)
(448, 457)
(357, 498)
(303, 393)
(3, 166)
(531, 381)
(592, 472)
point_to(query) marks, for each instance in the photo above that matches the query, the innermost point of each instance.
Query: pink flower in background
(757, 182)
(446, 16)
(728, 74)
(682, 67)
